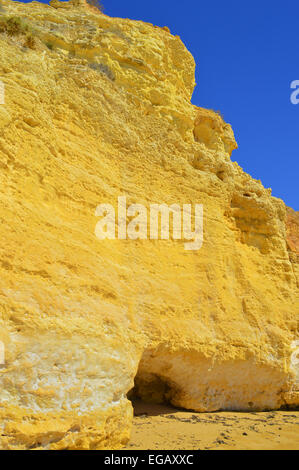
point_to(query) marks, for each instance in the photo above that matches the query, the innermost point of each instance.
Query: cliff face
(97, 108)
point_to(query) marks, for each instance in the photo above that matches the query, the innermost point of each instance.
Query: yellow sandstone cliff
(95, 108)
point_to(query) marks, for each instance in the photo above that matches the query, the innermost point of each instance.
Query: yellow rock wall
(95, 108)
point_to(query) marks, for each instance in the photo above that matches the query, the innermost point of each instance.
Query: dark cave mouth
(150, 389)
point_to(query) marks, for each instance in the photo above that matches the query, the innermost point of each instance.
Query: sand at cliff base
(159, 427)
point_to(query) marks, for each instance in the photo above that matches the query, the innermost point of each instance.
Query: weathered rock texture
(98, 107)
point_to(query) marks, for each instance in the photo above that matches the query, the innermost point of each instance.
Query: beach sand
(161, 427)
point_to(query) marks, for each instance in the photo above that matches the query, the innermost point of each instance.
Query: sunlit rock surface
(95, 108)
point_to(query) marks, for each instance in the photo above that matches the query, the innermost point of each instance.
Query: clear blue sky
(247, 55)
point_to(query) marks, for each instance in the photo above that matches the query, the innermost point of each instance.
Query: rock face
(97, 108)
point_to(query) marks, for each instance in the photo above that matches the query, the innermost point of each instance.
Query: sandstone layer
(97, 108)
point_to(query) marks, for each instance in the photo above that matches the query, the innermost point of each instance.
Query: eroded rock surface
(98, 107)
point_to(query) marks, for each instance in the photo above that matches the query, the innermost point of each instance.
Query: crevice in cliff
(151, 387)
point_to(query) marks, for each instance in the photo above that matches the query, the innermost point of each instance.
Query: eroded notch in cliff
(151, 386)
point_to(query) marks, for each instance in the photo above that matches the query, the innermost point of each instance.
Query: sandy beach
(160, 427)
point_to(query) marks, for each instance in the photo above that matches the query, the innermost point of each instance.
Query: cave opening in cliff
(151, 394)
(153, 391)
